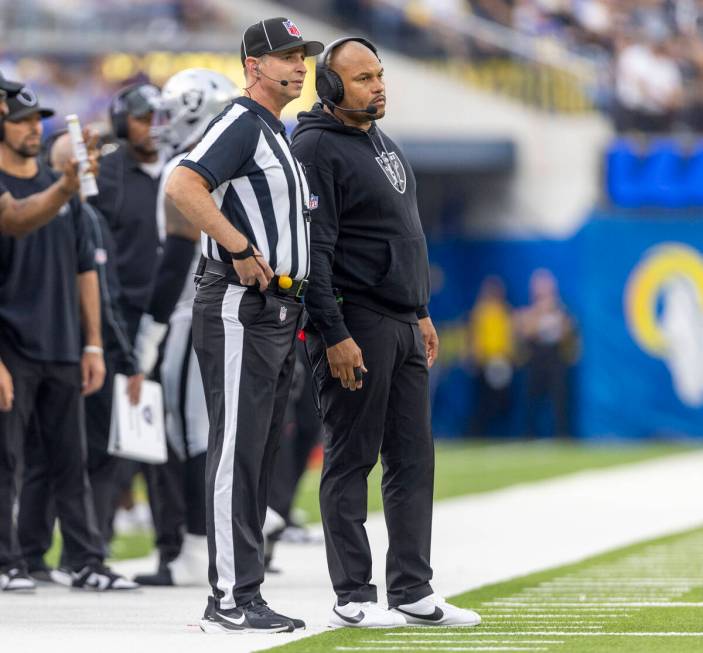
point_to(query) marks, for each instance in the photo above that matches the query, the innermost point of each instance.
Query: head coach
(243, 189)
(367, 301)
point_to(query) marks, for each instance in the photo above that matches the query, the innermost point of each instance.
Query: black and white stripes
(257, 184)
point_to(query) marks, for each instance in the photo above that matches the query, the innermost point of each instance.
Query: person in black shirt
(128, 183)
(367, 301)
(48, 287)
(36, 523)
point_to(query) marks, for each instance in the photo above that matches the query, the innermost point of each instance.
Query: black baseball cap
(25, 103)
(276, 35)
(11, 88)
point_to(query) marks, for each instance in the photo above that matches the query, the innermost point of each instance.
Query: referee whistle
(285, 282)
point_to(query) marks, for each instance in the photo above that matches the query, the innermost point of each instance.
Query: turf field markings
(440, 648)
(565, 633)
(633, 604)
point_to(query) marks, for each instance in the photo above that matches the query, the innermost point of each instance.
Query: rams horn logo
(664, 311)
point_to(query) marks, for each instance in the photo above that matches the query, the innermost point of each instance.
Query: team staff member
(36, 524)
(45, 278)
(128, 183)
(19, 217)
(242, 187)
(367, 242)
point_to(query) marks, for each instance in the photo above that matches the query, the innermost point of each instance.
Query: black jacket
(366, 236)
(127, 199)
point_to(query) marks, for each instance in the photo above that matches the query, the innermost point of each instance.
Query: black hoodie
(366, 237)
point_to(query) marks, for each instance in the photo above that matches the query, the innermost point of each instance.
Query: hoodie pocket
(407, 282)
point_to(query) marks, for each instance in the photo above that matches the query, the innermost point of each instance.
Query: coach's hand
(343, 358)
(92, 373)
(253, 269)
(429, 335)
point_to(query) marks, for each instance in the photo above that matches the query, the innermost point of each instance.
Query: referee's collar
(274, 123)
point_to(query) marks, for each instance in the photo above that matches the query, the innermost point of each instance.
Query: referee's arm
(190, 194)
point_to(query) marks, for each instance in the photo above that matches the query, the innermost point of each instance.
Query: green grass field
(461, 468)
(646, 598)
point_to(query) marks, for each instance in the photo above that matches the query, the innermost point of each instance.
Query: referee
(242, 187)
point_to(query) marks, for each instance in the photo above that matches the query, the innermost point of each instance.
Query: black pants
(47, 400)
(34, 528)
(390, 415)
(245, 342)
(301, 434)
(547, 384)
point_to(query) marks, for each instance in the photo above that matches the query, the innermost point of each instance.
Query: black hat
(24, 104)
(11, 88)
(276, 35)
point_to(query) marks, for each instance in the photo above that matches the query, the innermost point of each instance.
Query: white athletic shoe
(16, 580)
(433, 610)
(190, 568)
(364, 615)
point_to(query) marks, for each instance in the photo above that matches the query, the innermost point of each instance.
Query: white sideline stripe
(224, 481)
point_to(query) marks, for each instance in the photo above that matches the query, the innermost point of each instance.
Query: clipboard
(137, 432)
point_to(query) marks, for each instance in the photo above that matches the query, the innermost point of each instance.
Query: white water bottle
(89, 187)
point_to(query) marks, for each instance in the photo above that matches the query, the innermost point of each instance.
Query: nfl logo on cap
(292, 28)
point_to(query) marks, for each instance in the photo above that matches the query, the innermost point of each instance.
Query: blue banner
(634, 288)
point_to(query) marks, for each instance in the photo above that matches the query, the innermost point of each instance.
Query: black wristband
(245, 253)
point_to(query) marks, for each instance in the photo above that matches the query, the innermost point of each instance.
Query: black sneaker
(39, 571)
(162, 578)
(255, 617)
(96, 577)
(16, 579)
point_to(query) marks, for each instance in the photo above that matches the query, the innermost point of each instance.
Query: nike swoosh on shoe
(437, 615)
(350, 620)
(237, 622)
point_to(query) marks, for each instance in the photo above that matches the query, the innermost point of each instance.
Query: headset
(328, 83)
(120, 108)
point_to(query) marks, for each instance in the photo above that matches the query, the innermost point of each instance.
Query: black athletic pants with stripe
(48, 402)
(390, 415)
(245, 343)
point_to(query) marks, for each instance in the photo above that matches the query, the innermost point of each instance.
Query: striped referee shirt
(258, 186)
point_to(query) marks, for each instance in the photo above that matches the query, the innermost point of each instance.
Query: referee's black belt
(225, 270)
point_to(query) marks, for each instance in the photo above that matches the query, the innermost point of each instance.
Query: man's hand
(134, 388)
(70, 180)
(92, 373)
(7, 391)
(429, 335)
(253, 269)
(343, 358)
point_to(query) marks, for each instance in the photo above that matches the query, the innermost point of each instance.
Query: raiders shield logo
(393, 167)
(282, 314)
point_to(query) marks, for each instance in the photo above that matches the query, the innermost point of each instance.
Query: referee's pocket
(252, 307)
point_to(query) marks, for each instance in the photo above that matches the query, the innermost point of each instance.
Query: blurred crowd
(647, 54)
(168, 16)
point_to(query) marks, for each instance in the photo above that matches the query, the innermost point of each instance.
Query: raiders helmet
(188, 103)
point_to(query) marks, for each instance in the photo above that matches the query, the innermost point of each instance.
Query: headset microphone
(282, 82)
(371, 109)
